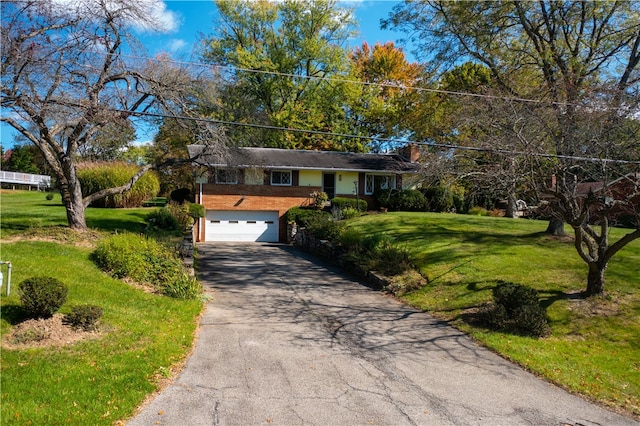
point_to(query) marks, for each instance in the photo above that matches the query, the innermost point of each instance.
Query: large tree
(69, 73)
(579, 60)
(383, 102)
(282, 57)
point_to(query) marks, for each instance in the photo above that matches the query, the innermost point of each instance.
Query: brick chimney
(411, 152)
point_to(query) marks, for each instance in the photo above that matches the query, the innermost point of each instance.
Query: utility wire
(345, 80)
(372, 138)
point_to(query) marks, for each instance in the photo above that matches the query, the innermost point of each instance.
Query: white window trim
(372, 176)
(281, 171)
(234, 182)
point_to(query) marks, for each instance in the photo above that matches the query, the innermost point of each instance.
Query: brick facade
(254, 198)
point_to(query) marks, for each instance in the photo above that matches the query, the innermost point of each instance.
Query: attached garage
(261, 226)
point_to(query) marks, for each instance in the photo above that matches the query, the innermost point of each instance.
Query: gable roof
(275, 158)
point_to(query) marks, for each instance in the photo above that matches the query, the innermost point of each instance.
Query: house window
(375, 182)
(281, 178)
(227, 176)
(254, 177)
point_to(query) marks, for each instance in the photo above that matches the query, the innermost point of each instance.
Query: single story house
(247, 192)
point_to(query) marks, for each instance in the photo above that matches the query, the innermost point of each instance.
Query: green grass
(98, 381)
(24, 210)
(594, 348)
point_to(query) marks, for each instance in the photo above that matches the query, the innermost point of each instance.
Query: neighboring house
(621, 197)
(618, 199)
(246, 194)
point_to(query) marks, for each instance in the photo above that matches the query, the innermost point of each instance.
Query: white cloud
(176, 44)
(142, 15)
(164, 20)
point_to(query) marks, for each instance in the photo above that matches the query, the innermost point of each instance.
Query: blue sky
(188, 18)
(199, 16)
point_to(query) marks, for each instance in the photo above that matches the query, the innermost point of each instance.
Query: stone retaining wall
(325, 249)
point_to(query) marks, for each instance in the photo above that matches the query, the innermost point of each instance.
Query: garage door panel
(260, 226)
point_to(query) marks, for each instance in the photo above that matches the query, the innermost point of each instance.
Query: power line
(348, 81)
(372, 138)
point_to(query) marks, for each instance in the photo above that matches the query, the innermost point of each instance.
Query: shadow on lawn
(113, 224)
(14, 314)
(476, 314)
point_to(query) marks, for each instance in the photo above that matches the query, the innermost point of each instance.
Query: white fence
(41, 181)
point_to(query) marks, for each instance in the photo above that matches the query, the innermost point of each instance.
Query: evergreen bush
(302, 216)
(196, 210)
(517, 309)
(408, 200)
(180, 195)
(42, 296)
(84, 317)
(162, 219)
(353, 203)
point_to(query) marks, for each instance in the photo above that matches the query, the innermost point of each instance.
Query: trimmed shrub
(353, 203)
(408, 200)
(42, 296)
(445, 198)
(49, 196)
(173, 217)
(95, 177)
(302, 216)
(84, 317)
(517, 309)
(162, 219)
(180, 195)
(196, 210)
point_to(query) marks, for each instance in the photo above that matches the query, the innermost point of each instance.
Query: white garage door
(242, 226)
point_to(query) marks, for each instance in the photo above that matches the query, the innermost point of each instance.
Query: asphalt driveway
(287, 340)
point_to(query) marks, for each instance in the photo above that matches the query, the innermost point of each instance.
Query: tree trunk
(71, 193)
(556, 227)
(512, 208)
(595, 279)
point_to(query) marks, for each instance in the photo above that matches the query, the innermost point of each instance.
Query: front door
(329, 184)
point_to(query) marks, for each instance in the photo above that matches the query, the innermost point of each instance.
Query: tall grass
(95, 177)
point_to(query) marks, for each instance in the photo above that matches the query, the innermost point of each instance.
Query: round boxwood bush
(42, 296)
(517, 309)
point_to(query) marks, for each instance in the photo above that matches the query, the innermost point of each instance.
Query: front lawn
(103, 379)
(30, 210)
(594, 348)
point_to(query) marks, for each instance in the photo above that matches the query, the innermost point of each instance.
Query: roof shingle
(273, 158)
